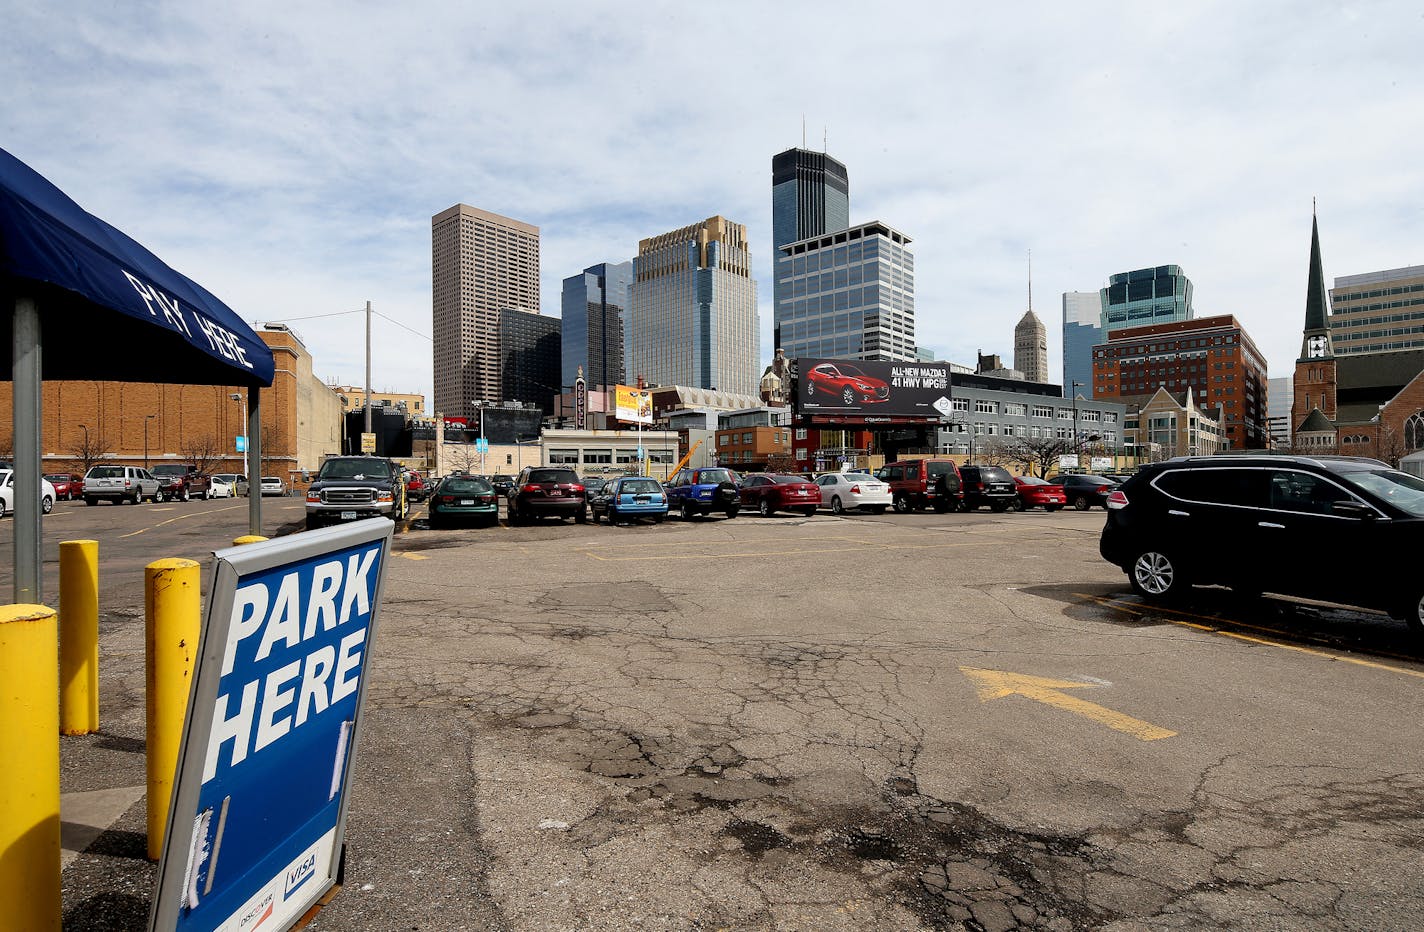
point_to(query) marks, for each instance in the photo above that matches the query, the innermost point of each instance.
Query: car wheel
(1081, 503)
(203, 495)
(581, 517)
(90, 500)
(733, 512)
(764, 508)
(46, 505)
(434, 521)
(809, 512)
(687, 511)
(596, 516)
(1156, 575)
(2, 507)
(1017, 505)
(658, 519)
(902, 504)
(313, 522)
(848, 397)
(836, 507)
(998, 506)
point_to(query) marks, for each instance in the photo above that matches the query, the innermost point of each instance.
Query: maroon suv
(920, 484)
(546, 490)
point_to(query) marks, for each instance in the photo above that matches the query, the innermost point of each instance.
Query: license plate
(640, 500)
(466, 501)
(555, 492)
(348, 516)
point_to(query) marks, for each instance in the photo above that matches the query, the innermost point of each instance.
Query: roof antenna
(825, 134)
(1030, 281)
(803, 130)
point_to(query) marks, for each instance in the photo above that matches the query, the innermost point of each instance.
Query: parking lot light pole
(1074, 392)
(246, 463)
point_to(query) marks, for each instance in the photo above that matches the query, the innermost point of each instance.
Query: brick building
(1212, 356)
(115, 421)
(1362, 404)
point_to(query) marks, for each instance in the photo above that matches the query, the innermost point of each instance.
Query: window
(1414, 431)
(800, 433)
(984, 407)
(1065, 414)
(959, 404)
(1303, 492)
(723, 439)
(1014, 410)
(563, 457)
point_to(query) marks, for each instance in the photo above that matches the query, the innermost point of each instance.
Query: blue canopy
(111, 309)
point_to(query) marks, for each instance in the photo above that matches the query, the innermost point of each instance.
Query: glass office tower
(1161, 295)
(810, 196)
(848, 295)
(1082, 330)
(595, 303)
(692, 312)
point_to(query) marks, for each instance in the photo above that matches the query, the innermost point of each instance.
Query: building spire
(1315, 339)
(1030, 279)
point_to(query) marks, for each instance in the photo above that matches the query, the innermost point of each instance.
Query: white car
(7, 494)
(228, 485)
(844, 490)
(273, 485)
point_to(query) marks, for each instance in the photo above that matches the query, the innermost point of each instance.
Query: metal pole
(368, 369)
(27, 414)
(254, 459)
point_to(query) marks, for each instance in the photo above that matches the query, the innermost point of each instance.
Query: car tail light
(447, 499)
(855, 490)
(1117, 499)
(531, 488)
(980, 485)
(576, 488)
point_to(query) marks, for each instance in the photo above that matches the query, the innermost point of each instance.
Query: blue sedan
(630, 498)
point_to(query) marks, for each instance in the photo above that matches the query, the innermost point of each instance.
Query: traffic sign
(368, 443)
(257, 820)
(242, 444)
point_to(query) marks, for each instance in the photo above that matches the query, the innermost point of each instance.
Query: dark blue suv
(703, 490)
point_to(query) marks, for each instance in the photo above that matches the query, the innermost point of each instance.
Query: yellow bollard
(248, 539)
(78, 637)
(173, 619)
(29, 776)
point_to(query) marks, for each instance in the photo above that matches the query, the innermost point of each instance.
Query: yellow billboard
(633, 404)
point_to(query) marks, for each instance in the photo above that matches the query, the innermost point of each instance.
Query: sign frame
(231, 566)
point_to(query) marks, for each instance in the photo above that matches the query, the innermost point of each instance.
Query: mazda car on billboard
(874, 389)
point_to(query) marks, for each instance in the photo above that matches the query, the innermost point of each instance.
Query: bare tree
(203, 452)
(996, 451)
(1036, 455)
(462, 458)
(1391, 446)
(88, 450)
(781, 463)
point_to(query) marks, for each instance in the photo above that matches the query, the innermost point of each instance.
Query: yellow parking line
(178, 518)
(1132, 609)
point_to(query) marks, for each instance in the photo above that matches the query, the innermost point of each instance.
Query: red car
(846, 383)
(769, 494)
(66, 487)
(1035, 492)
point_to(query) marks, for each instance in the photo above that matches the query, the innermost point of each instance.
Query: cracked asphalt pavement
(768, 724)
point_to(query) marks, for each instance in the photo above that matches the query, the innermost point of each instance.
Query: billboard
(632, 404)
(878, 391)
(256, 822)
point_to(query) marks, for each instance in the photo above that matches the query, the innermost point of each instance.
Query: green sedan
(463, 498)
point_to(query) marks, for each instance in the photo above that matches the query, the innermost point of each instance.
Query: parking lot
(864, 722)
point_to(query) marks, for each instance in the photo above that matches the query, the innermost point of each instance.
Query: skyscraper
(594, 304)
(529, 358)
(1160, 295)
(1378, 312)
(1082, 330)
(1031, 348)
(848, 294)
(810, 195)
(481, 263)
(692, 313)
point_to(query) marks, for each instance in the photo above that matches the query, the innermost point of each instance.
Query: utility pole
(368, 367)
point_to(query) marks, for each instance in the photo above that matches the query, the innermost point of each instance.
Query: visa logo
(299, 875)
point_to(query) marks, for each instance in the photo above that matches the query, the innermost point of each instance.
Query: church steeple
(1315, 340)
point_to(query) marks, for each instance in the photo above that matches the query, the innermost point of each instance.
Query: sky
(289, 157)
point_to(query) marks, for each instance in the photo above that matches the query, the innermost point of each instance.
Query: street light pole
(1074, 393)
(246, 454)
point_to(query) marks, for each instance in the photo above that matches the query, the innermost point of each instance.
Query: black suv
(547, 490)
(1339, 529)
(348, 488)
(987, 485)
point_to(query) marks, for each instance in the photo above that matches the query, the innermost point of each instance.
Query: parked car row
(48, 493)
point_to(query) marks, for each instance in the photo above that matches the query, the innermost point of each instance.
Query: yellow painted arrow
(996, 684)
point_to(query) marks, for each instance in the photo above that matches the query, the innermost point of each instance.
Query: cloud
(289, 157)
